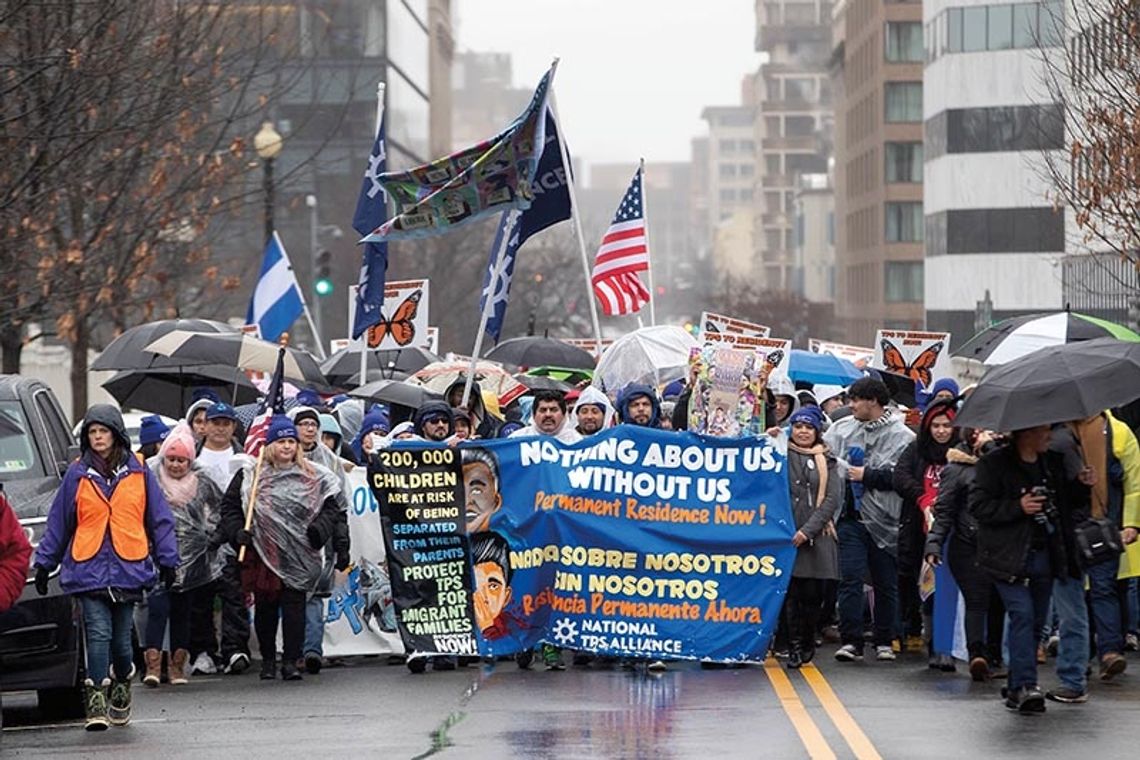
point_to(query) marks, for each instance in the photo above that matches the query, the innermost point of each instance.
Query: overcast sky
(634, 74)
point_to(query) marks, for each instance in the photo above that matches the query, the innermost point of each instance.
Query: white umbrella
(650, 355)
(238, 350)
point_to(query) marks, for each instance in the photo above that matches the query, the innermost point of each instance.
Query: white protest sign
(859, 356)
(713, 323)
(404, 318)
(922, 356)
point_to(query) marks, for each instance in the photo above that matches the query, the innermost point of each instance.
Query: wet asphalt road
(862, 710)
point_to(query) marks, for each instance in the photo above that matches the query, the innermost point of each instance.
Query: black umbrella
(900, 387)
(1060, 383)
(543, 383)
(127, 350)
(396, 392)
(373, 375)
(168, 390)
(535, 351)
(345, 363)
(239, 350)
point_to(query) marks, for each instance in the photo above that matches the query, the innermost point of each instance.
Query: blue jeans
(1073, 631)
(858, 554)
(1105, 602)
(107, 629)
(1025, 603)
(314, 625)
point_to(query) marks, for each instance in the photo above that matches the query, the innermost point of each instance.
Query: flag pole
(304, 304)
(577, 223)
(648, 251)
(488, 303)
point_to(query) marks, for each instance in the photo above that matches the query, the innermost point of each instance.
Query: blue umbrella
(821, 368)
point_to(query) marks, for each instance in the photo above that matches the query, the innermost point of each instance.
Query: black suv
(40, 643)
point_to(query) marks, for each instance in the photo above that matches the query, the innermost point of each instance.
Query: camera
(1048, 513)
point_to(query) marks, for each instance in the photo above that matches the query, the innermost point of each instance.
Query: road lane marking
(810, 735)
(854, 736)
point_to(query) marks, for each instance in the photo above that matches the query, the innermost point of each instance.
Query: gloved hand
(342, 560)
(316, 540)
(166, 575)
(243, 537)
(41, 581)
(216, 542)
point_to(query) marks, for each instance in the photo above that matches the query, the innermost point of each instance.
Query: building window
(999, 27)
(800, 126)
(904, 222)
(1051, 23)
(745, 195)
(990, 130)
(799, 13)
(727, 146)
(772, 127)
(727, 195)
(904, 42)
(903, 162)
(1025, 25)
(999, 230)
(747, 146)
(902, 281)
(799, 89)
(996, 27)
(772, 164)
(903, 101)
(974, 29)
(772, 202)
(727, 171)
(954, 30)
(806, 163)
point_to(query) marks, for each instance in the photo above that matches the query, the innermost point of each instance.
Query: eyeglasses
(306, 423)
(434, 420)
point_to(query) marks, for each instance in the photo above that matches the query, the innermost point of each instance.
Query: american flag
(272, 403)
(624, 252)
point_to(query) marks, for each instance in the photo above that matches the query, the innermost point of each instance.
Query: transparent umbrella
(651, 355)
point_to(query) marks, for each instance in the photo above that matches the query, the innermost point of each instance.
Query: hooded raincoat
(595, 397)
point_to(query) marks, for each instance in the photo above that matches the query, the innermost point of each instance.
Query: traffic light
(322, 276)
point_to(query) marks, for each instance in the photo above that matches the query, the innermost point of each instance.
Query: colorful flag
(272, 403)
(624, 252)
(371, 211)
(276, 302)
(551, 205)
(494, 175)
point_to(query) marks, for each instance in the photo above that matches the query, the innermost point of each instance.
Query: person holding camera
(1026, 503)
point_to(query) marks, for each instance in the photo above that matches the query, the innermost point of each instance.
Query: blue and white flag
(371, 212)
(276, 301)
(551, 205)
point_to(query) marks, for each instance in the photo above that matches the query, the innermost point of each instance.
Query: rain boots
(153, 660)
(95, 702)
(178, 666)
(119, 704)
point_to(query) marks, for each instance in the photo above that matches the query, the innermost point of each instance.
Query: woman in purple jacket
(109, 526)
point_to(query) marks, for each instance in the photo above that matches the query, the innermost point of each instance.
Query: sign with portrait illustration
(632, 543)
(728, 391)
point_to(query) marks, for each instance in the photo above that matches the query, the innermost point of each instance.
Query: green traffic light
(323, 287)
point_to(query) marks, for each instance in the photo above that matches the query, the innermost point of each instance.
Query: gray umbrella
(127, 350)
(345, 364)
(1060, 383)
(396, 392)
(168, 390)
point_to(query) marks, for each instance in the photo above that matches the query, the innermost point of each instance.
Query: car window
(17, 449)
(52, 418)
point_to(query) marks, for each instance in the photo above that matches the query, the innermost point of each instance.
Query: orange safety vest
(124, 512)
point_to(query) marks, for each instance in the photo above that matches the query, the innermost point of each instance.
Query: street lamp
(267, 143)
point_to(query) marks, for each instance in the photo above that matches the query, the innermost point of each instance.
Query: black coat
(908, 483)
(951, 508)
(1005, 532)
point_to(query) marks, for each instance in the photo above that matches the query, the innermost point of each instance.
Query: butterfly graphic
(771, 361)
(920, 370)
(401, 326)
(711, 327)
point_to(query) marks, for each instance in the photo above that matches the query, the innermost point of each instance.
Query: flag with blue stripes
(371, 212)
(276, 301)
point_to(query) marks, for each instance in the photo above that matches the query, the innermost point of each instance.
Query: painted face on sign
(483, 497)
(491, 593)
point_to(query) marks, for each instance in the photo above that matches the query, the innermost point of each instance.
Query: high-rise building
(813, 271)
(792, 127)
(989, 116)
(484, 98)
(730, 162)
(877, 65)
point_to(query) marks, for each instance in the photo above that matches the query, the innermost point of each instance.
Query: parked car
(40, 637)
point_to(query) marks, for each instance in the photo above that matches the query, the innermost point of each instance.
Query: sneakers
(313, 663)
(238, 664)
(885, 653)
(178, 662)
(1067, 696)
(657, 666)
(1131, 642)
(979, 669)
(119, 705)
(914, 643)
(95, 705)
(1028, 700)
(289, 671)
(795, 658)
(849, 653)
(1053, 645)
(268, 670)
(153, 660)
(1112, 664)
(524, 658)
(417, 664)
(204, 665)
(552, 657)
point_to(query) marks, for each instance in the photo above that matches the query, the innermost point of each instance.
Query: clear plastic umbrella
(651, 355)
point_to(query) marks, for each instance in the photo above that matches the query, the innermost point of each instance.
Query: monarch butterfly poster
(720, 324)
(404, 318)
(922, 356)
(857, 355)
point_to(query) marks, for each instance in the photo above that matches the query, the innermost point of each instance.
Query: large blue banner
(632, 543)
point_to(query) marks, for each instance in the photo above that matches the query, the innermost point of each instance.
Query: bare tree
(123, 126)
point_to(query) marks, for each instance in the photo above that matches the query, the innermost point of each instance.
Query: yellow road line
(842, 719)
(814, 743)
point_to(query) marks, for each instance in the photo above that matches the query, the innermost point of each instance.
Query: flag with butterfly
(371, 212)
(272, 403)
(405, 322)
(493, 175)
(918, 358)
